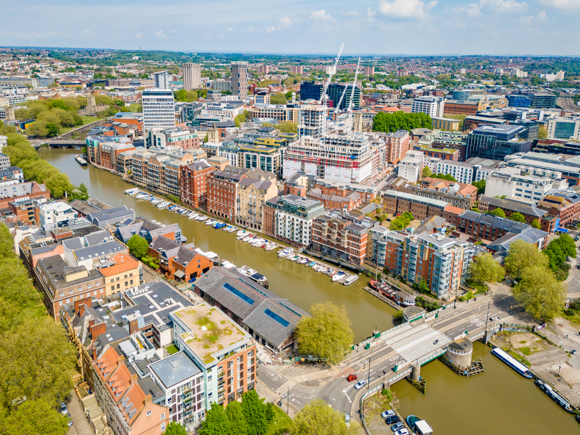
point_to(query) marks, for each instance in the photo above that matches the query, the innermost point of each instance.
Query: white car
(402, 432)
(398, 426)
(387, 413)
(360, 384)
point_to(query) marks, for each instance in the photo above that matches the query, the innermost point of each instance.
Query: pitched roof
(512, 205)
(123, 263)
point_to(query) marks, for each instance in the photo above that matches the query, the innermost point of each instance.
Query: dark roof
(529, 234)
(512, 205)
(493, 221)
(83, 207)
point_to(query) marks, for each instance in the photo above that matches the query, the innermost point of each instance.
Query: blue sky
(537, 27)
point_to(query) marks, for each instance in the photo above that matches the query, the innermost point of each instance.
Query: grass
(518, 356)
(525, 350)
(172, 349)
(281, 423)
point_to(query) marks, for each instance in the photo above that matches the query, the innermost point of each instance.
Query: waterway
(498, 402)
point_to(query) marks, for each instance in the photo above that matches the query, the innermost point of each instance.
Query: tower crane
(350, 103)
(327, 84)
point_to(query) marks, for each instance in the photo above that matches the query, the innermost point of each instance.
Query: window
(148, 413)
(163, 427)
(163, 416)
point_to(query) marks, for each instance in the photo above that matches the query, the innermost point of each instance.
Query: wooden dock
(383, 298)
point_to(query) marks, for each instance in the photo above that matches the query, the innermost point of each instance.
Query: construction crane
(350, 103)
(327, 84)
(340, 101)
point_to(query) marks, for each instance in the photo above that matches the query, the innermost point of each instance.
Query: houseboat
(512, 362)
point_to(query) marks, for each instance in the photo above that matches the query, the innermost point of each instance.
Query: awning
(179, 274)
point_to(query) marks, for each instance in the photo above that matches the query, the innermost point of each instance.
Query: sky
(382, 27)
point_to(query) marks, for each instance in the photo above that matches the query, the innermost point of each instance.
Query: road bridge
(58, 143)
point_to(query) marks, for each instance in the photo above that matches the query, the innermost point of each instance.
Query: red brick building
(222, 192)
(193, 183)
(22, 191)
(179, 261)
(397, 145)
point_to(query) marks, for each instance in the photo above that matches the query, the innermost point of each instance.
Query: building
(411, 166)
(462, 107)
(193, 183)
(530, 212)
(432, 106)
(191, 76)
(445, 123)
(290, 218)
(120, 273)
(162, 80)
(342, 235)
(396, 202)
(177, 261)
(460, 195)
(396, 145)
(310, 91)
(497, 141)
(172, 137)
(111, 216)
(335, 195)
(4, 161)
(440, 261)
(22, 192)
(463, 172)
(312, 120)
(564, 204)
(55, 214)
(542, 100)
(269, 319)
(227, 358)
(158, 109)
(252, 196)
(240, 79)
(222, 193)
(525, 184)
(148, 229)
(564, 128)
(335, 92)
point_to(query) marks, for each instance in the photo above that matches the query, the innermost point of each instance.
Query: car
(388, 413)
(69, 421)
(402, 432)
(360, 384)
(63, 409)
(347, 419)
(573, 352)
(351, 378)
(397, 426)
(392, 419)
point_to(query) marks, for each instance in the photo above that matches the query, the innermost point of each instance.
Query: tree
(138, 246)
(426, 172)
(327, 334)
(423, 287)
(33, 417)
(498, 212)
(216, 422)
(318, 418)
(536, 224)
(80, 192)
(175, 428)
(485, 269)
(255, 413)
(235, 414)
(447, 177)
(521, 256)
(517, 216)
(542, 132)
(540, 293)
(278, 99)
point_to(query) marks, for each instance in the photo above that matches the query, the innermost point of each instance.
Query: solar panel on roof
(239, 294)
(276, 317)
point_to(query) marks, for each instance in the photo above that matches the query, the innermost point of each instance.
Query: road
(404, 346)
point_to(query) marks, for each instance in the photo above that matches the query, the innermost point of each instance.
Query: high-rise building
(240, 79)
(368, 70)
(310, 91)
(191, 76)
(158, 109)
(497, 141)
(432, 106)
(336, 90)
(162, 80)
(312, 121)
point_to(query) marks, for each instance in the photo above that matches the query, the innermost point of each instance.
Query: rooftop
(174, 369)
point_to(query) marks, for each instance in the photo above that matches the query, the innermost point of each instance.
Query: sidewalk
(80, 423)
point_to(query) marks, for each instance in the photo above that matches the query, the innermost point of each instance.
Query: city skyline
(380, 27)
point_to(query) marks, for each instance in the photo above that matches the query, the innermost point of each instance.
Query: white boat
(210, 222)
(162, 205)
(155, 201)
(284, 252)
(350, 279)
(240, 232)
(202, 218)
(258, 243)
(228, 264)
(142, 195)
(247, 238)
(247, 271)
(338, 276)
(303, 260)
(133, 191)
(270, 246)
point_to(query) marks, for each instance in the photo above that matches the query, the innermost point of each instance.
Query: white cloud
(491, 6)
(405, 9)
(160, 34)
(270, 29)
(350, 13)
(562, 4)
(285, 22)
(173, 31)
(531, 20)
(138, 35)
(229, 29)
(320, 15)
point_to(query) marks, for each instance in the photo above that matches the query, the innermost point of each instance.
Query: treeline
(36, 359)
(23, 155)
(391, 122)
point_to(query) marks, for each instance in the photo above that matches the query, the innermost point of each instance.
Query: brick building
(177, 260)
(222, 193)
(193, 183)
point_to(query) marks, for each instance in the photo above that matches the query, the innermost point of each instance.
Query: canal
(497, 402)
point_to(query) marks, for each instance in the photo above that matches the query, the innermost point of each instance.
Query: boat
(400, 297)
(350, 279)
(270, 246)
(247, 271)
(202, 218)
(418, 426)
(240, 233)
(302, 260)
(554, 395)
(512, 362)
(285, 252)
(228, 264)
(219, 225)
(80, 160)
(311, 264)
(293, 257)
(338, 276)
(258, 243)
(211, 222)
(133, 191)
(142, 195)
(330, 271)
(155, 201)
(162, 205)
(260, 279)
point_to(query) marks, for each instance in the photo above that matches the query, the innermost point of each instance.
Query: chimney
(81, 304)
(133, 326)
(133, 379)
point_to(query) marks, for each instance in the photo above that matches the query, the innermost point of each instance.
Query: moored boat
(418, 426)
(338, 276)
(284, 252)
(554, 395)
(80, 160)
(512, 362)
(133, 191)
(350, 279)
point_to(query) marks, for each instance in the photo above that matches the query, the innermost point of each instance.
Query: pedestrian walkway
(80, 423)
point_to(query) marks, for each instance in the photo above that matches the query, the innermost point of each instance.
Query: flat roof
(175, 369)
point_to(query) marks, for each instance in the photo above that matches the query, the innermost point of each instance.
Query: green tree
(216, 422)
(536, 224)
(447, 177)
(540, 293)
(423, 287)
(485, 269)
(521, 256)
(542, 132)
(138, 246)
(33, 417)
(235, 414)
(318, 418)
(480, 186)
(175, 428)
(498, 212)
(278, 99)
(327, 334)
(80, 192)
(255, 413)
(518, 217)
(426, 172)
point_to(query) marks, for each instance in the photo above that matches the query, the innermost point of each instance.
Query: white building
(312, 121)
(526, 184)
(294, 216)
(462, 172)
(162, 80)
(158, 109)
(55, 212)
(191, 76)
(223, 110)
(564, 128)
(432, 106)
(411, 166)
(3, 142)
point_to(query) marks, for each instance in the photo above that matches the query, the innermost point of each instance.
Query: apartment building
(290, 218)
(193, 183)
(440, 261)
(148, 229)
(278, 112)
(564, 204)
(21, 192)
(161, 80)
(252, 196)
(530, 212)
(191, 76)
(396, 202)
(342, 235)
(222, 192)
(177, 261)
(239, 79)
(410, 168)
(223, 111)
(397, 145)
(120, 273)
(525, 184)
(158, 109)
(172, 137)
(54, 213)
(457, 194)
(432, 106)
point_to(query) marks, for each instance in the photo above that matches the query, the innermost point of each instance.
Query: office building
(523, 183)
(497, 141)
(240, 79)
(191, 76)
(445, 123)
(55, 214)
(432, 106)
(158, 109)
(310, 91)
(162, 80)
(564, 128)
(335, 92)
(172, 137)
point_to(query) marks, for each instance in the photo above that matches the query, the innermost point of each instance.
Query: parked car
(392, 419)
(387, 413)
(397, 426)
(63, 409)
(347, 419)
(69, 420)
(360, 384)
(351, 378)
(402, 432)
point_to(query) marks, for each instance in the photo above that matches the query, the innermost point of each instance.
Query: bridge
(58, 143)
(388, 357)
